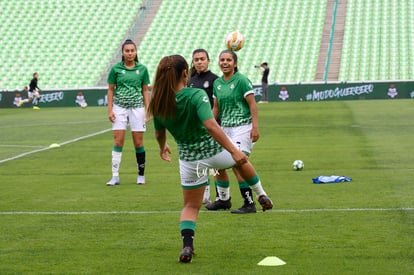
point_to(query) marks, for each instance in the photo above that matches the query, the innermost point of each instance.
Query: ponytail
(167, 78)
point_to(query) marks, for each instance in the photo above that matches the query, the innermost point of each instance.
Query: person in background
(201, 77)
(283, 94)
(186, 113)
(33, 94)
(234, 101)
(80, 99)
(128, 102)
(265, 81)
(17, 99)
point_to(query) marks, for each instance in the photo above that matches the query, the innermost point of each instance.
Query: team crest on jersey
(206, 84)
(232, 86)
(205, 99)
(137, 71)
(123, 72)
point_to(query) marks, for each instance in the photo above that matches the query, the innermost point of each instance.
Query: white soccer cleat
(114, 181)
(141, 180)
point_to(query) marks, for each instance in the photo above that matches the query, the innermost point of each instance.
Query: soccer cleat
(186, 255)
(265, 202)
(219, 204)
(114, 181)
(20, 103)
(206, 201)
(141, 180)
(36, 108)
(245, 209)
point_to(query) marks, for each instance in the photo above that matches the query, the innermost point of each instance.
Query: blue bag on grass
(331, 179)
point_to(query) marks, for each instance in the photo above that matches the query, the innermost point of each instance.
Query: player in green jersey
(128, 104)
(203, 78)
(235, 103)
(203, 146)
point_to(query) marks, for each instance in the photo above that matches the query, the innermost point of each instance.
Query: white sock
(25, 100)
(206, 196)
(224, 193)
(258, 189)
(116, 162)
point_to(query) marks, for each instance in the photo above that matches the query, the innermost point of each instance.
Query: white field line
(48, 148)
(205, 211)
(21, 146)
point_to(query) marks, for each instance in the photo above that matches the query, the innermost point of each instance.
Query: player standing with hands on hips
(186, 113)
(128, 102)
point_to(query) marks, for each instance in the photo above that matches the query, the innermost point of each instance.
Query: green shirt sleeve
(202, 103)
(112, 76)
(146, 79)
(158, 125)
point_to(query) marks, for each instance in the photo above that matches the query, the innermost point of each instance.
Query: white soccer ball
(234, 41)
(83, 105)
(298, 165)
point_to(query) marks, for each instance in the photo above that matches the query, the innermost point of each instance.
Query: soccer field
(57, 216)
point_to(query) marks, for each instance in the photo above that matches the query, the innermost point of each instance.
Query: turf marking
(48, 148)
(204, 211)
(21, 146)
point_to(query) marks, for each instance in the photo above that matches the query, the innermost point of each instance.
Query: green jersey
(128, 84)
(194, 141)
(230, 94)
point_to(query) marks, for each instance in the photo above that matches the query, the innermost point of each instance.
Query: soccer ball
(83, 105)
(298, 165)
(234, 41)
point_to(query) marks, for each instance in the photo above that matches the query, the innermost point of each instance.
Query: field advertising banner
(340, 91)
(56, 98)
(276, 93)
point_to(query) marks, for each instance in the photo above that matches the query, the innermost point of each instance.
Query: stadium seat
(381, 29)
(61, 32)
(79, 37)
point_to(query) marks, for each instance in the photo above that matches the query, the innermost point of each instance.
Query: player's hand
(164, 153)
(239, 157)
(254, 135)
(111, 116)
(147, 117)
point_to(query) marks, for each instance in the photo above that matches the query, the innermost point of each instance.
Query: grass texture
(58, 217)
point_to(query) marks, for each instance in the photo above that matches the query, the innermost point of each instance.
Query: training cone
(54, 145)
(271, 261)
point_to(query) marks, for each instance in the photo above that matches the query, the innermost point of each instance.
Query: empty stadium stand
(378, 40)
(67, 42)
(73, 43)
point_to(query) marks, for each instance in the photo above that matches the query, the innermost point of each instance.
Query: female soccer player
(235, 103)
(186, 113)
(203, 78)
(128, 103)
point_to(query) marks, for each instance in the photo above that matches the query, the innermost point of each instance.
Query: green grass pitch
(58, 217)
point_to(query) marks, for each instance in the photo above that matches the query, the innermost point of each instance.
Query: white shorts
(135, 117)
(31, 94)
(240, 136)
(195, 174)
